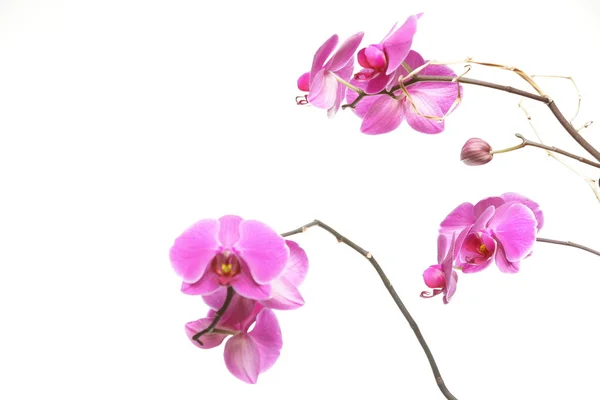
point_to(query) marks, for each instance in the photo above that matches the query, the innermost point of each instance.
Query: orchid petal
(377, 84)
(539, 216)
(284, 295)
(503, 264)
(242, 358)
(321, 55)
(483, 219)
(419, 113)
(267, 336)
(443, 244)
(323, 90)
(247, 287)
(209, 340)
(414, 60)
(472, 268)
(458, 219)
(514, 226)
(263, 249)
(297, 264)
(240, 308)
(483, 205)
(229, 230)
(204, 286)
(194, 249)
(451, 287)
(344, 74)
(384, 115)
(397, 44)
(345, 53)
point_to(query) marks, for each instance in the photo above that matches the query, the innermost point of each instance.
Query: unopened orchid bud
(476, 152)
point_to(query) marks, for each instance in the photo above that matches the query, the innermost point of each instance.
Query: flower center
(226, 265)
(483, 249)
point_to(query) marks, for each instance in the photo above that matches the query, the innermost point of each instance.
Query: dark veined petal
(384, 115)
(423, 112)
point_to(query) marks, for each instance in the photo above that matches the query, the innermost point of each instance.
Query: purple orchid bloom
(441, 277)
(284, 289)
(423, 106)
(247, 354)
(321, 83)
(247, 255)
(502, 229)
(381, 61)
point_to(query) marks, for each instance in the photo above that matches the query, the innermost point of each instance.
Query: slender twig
(217, 317)
(527, 142)
(392, 292)
(591, 182)
(568, 243)
(544, 99)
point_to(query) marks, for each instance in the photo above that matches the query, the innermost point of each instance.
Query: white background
(122, 122)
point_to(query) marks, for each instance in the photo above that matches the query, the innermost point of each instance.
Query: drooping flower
(284, 289)
(321, 83)
(476, 152)
(247, 354)
(381, 61)
(422, 104)
(501, 229)
(441, 277)
(245, 254)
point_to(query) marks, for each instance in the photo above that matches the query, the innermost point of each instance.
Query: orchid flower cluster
(497, 229)
(382, 93)
(243, 270)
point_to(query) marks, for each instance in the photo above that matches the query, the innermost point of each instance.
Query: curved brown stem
(392, 292)
(217, 318)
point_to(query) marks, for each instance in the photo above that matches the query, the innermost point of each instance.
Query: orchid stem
(509, 89)
(350, 86)
(527, 142)
(568, 243)
(218, 315)
(392, 292)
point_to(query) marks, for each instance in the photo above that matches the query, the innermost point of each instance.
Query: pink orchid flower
(245, 254)
(381, 61)
(428, 102)
(321, 83)
(501, 229)
(441, 277)
(247, 354)
(284, 289)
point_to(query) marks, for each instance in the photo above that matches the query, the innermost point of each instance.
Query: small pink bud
(476, 152)
(303, 82)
